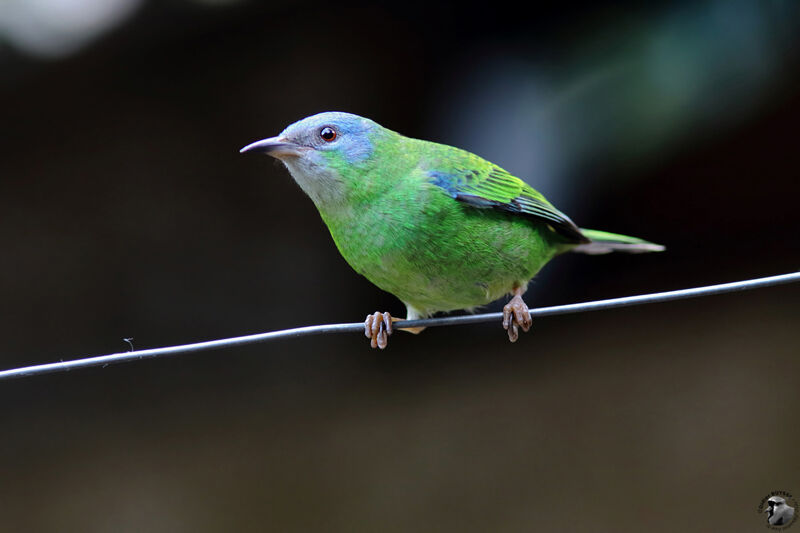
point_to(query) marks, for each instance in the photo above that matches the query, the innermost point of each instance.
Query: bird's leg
(516, 315)
(415, 331)
(413, 314)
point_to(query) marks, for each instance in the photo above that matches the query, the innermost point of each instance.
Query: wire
(429, 322)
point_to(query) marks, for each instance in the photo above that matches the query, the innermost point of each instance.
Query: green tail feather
(604, 242)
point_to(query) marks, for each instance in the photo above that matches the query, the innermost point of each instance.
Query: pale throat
(322, 184)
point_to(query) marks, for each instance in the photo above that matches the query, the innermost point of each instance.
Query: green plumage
(411, 238)
(437, 226)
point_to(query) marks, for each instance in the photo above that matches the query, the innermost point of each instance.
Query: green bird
(439, 227)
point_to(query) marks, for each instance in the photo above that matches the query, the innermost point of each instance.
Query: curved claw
(377, 328)
(516, 315)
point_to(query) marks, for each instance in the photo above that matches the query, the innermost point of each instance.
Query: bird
(778, 512)
(439, 227)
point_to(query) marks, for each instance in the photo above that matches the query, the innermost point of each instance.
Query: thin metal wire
(429, 322)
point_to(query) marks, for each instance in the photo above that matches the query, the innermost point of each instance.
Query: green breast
(435, 253)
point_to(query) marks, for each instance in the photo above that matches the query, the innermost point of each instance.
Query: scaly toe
(516, 315)
(506, 317)
(522, 316)
(513, 332)
(378, 327)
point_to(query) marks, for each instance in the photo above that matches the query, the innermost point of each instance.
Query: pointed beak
(274, 146)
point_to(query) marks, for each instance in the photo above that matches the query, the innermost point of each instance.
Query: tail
(604, 242)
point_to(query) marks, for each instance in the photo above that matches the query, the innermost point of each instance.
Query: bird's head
(323, 151)
(773, 505)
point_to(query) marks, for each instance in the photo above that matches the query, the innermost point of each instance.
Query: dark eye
(328, 134)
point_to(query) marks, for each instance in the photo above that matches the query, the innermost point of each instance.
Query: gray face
(305, 148)
(347, 134)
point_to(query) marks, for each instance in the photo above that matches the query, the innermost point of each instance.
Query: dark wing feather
(495, 188)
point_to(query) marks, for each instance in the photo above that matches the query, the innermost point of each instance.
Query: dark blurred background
(127, 211)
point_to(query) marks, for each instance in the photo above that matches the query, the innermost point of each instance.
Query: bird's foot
(377, 328)
(516, 315)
